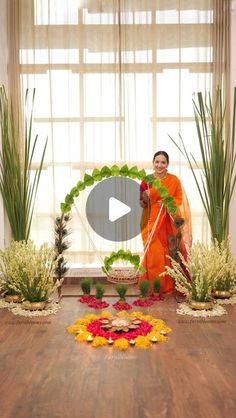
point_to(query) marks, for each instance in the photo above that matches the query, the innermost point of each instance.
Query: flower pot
(194, 304)
(221, 294)
(34, 306)
(13, 298)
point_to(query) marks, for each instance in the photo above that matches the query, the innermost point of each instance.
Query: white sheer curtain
(113, 78)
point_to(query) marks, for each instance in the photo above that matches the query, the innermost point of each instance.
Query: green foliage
(121, 255)
(32, 290)
(88, 180)
(121, 290)
(100, 290)
(18, 184)
(225, 284)
(144, 288)
(218, 154)
(156, 286)
(124, 171)
(85, 285)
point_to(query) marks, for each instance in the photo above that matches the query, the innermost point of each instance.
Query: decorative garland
(90, 329)
(115, 171)
(122, 255)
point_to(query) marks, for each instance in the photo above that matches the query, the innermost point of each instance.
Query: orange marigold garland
(120, 330)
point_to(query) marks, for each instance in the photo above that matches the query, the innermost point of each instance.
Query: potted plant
(224, 283)
(85, 285)
(10, 268)
(156, 287)
(61, 244)
(218, 154)
(18, 180)
(144, 289)
(100, 290)
(121, 290)
(36, 282)
(203, 269)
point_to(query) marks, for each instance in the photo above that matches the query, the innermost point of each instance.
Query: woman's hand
(145, 196)
(144, 199)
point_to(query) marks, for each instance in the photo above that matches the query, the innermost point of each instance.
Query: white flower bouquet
(29, 271)
(197, 276)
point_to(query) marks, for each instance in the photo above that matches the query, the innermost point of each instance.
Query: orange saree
(172, 233)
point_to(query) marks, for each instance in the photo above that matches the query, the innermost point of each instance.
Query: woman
(163, 234)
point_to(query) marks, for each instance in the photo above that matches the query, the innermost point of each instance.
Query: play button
(113, 209)
(117, 209)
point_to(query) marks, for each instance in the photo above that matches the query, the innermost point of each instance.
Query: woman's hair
(161, 153)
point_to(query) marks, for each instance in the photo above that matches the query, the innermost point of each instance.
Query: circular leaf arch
(115, 171)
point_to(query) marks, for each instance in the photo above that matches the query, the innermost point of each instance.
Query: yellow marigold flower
(147, 318)
(138, 315)
(105, 314)
(121, 344)
(73, 329)
(91, 317)
(99, 341)
(82, 337)
(122, 313)
(82, 321)
(156, 321)
(161, 338)
(142, 342)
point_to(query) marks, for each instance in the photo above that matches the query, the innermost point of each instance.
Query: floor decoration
(184, 309)
(155, 298)
(142, 302)
(4, 304)
(228, 301)
(86, 299)
(98, 304)
(51, 309)
(121, 330)
(121, 306)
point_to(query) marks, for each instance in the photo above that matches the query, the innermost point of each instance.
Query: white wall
(232, 222)
(3, 80)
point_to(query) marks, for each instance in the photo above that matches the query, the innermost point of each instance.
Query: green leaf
(171, 209)
(115, 171)
(80, 185)
(65, 208)
(88, 180)
(168, 200)
(163, 192)
(133, 172)
(105, 171)
(142, 174)
(149, 178)
(96, 175)
(69, 199)
(74, 191)
(157, 184)
(124, 170)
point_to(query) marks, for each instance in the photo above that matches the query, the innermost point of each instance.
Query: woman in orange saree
(172, 233)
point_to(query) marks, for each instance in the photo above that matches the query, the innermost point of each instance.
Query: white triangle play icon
(117, 209)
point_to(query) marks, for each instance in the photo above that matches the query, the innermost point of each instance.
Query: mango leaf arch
(115, 171)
